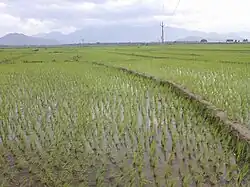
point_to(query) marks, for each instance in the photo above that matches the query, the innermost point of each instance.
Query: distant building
(230, 41)
(245, 40)
(203, 41)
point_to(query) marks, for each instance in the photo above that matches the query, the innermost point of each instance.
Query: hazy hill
(18, 39)
(190, 39)
(130, 33)
(52, 35)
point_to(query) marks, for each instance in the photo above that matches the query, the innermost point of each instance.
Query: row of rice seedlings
(226, 87)
(121, 130)
(203, 162)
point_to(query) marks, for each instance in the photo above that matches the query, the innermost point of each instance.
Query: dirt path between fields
(238, 130)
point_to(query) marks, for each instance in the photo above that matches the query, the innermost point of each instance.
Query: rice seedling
(225, 85)
(83, 124)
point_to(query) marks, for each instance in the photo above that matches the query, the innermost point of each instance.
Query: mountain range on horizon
(121, 33)
(19, 39)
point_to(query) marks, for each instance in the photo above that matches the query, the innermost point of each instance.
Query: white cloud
(214, 15)
(37, 16)
(2, 5)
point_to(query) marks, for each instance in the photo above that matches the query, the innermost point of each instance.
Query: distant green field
(66, 121)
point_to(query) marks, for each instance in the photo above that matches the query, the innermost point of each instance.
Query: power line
(176, 7)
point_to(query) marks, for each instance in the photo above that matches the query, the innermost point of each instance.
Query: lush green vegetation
(219, 73)
(65, 121)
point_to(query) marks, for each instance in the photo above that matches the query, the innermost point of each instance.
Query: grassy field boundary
(240, 134)
(154, 57)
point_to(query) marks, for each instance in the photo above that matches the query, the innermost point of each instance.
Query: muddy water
(150, 129)
(140, 143)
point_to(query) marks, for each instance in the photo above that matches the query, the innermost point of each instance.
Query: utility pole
(162, 32)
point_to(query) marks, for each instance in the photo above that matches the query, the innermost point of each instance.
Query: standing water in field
(114, 129)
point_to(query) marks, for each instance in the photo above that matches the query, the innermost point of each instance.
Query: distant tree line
(227, 41)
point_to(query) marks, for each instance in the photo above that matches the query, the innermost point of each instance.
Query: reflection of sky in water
(145, 120)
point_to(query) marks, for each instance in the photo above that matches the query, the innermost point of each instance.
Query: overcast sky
(36, 16)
